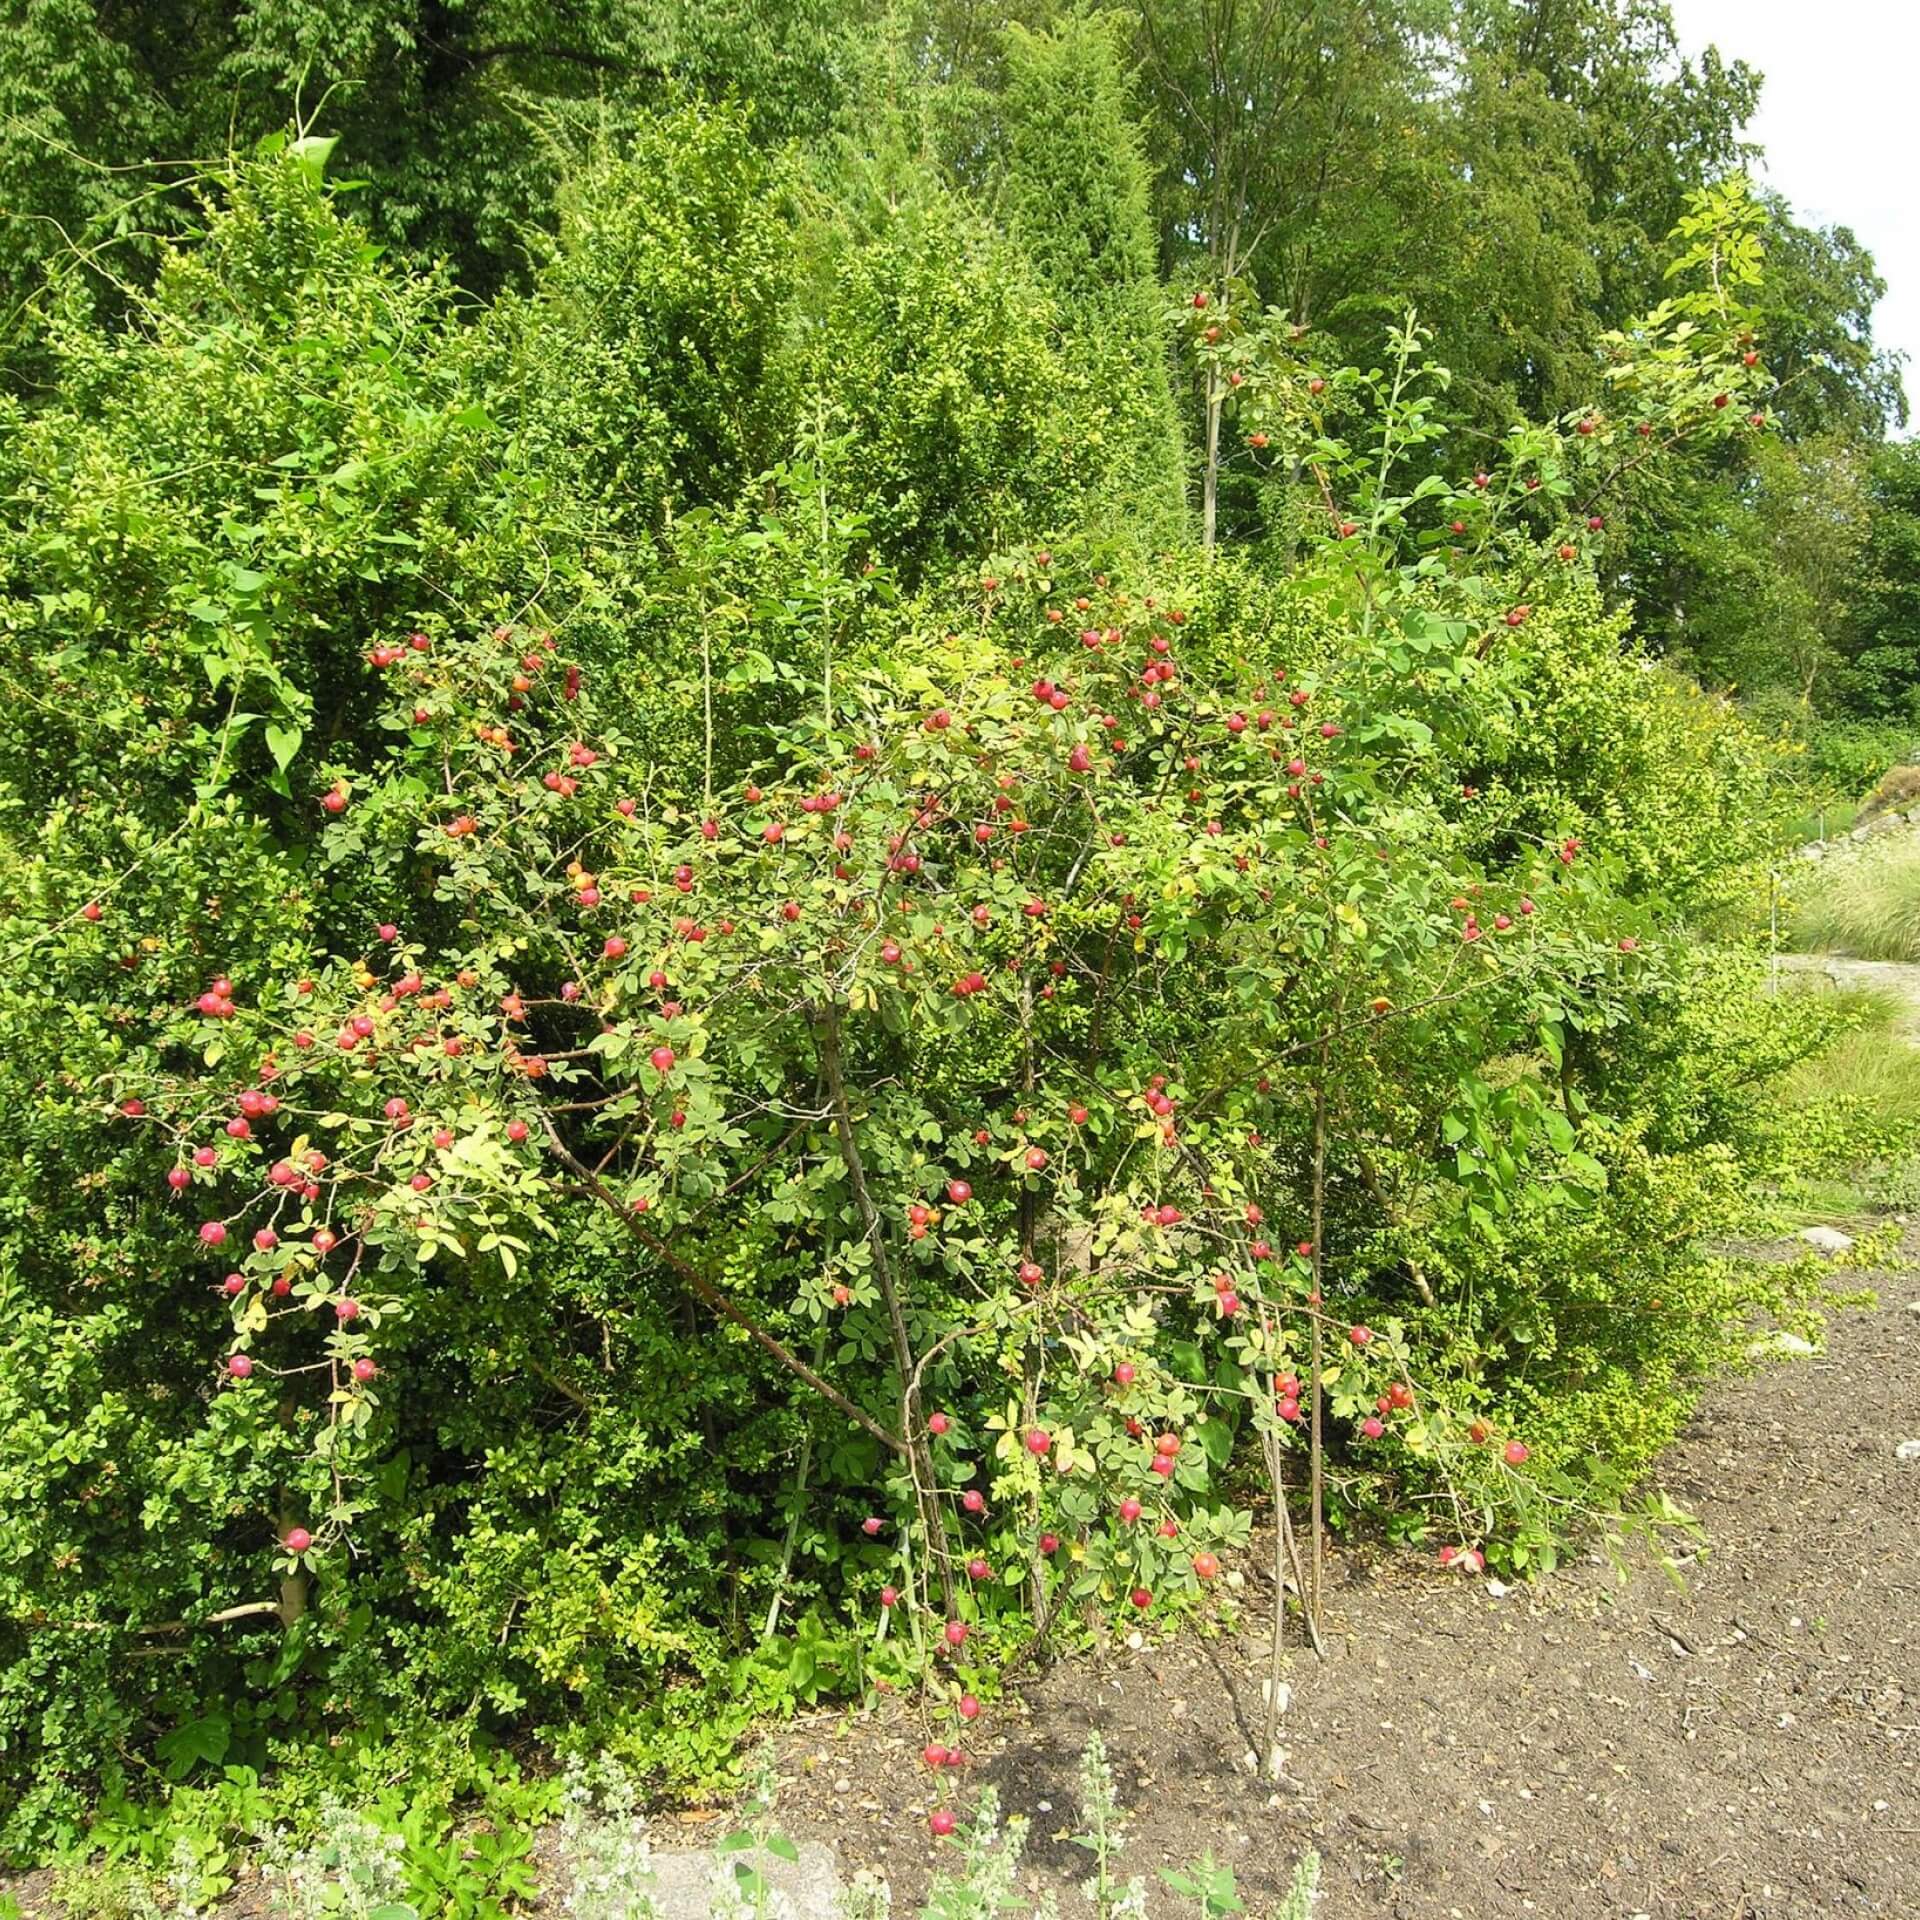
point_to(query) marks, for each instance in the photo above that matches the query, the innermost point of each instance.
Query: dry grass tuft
(1867, 906)
(1898, 790)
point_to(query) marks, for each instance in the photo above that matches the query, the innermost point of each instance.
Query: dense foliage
(723, 983)
(1509, 168)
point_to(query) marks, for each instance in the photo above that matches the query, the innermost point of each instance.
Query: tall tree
(1815, 320)
(1076, 190)
(453, 112)
(1645, 125)
(1882, 641)
(1267, 114)
(1757, 581)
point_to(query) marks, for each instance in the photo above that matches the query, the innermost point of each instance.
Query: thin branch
(251, 1610)
(1371, 1176)
(1317, 1474)
(711, 1295)
(919, 1461)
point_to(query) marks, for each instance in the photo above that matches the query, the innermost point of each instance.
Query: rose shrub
(656, 1063)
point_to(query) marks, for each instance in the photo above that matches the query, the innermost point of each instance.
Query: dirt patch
(1747, 1748)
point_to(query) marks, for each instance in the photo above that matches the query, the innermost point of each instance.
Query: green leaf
(283, 743)
(310, 153)
(206, 1739)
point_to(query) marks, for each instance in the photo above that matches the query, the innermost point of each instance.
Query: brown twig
(593, 1185)
(249, 1610)
(1371, 1176)
(919, 1461)
(1317, 1471)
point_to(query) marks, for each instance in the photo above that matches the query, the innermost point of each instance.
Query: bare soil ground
(1745, 1748)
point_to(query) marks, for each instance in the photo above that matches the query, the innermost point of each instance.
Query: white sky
(1841, 127)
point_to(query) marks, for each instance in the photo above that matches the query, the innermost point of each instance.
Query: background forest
(821, 826)
(1508, 169)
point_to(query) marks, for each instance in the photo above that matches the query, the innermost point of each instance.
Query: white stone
(1907, 1450)
(1784, 1346)
(685, 1880)
(1826, 1239)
